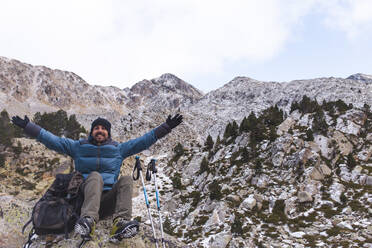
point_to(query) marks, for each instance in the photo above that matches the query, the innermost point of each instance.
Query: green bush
(351, 163)
(215, 191)
(176, 181)
(236, 226)
(196, 197)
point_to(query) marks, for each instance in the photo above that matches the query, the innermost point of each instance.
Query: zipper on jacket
(98, 158)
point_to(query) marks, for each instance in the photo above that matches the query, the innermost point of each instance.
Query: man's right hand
(20, 122)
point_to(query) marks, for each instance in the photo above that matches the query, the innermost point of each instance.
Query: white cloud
(111, 42)
(350, 16)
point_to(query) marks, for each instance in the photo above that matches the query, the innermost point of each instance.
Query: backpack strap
(24, 227)
(65, 220)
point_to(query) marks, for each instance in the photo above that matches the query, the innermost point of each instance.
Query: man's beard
(104, 138)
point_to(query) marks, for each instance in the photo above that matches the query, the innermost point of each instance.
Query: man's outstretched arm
(58, 144)
(144, 142)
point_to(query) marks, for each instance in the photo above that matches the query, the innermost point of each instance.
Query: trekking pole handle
(150, 168)
(153, 168)
(137, 167)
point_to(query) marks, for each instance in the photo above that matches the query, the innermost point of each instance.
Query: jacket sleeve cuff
(162, 130)
(32, 129)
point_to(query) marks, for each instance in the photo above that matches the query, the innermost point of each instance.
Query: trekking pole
(139, 174)
(153, 169)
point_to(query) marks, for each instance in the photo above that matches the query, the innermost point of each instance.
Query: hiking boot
(123, 229)
(85, 226)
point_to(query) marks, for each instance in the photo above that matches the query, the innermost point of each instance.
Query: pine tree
(209, 143)
(307, 105)
(204, 166)
(73, 128)
(272, 116)
(60, 124)
(251, 121)
(245, 155)
(228, 131)
(6, 130)
(244, 125)
(218, 142)
(294, 106)
(234, 129)
(341, 106)
(54, 122)
(319, 123)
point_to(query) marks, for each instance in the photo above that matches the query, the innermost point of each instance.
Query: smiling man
(99, 159)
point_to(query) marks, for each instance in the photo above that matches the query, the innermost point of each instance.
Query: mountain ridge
(297, 173)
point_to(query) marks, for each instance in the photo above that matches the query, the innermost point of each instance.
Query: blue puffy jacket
(106, 158)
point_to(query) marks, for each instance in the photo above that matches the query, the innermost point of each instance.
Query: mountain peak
(172, 82)
(361, 77)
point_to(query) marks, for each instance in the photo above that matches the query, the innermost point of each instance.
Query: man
(99, 159)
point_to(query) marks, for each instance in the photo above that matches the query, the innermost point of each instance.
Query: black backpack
(59, 208)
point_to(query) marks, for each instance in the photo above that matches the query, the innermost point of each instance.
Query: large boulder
(346, 126)
(325, 146)
(336, 191)
(220, 240)
(365, 154)
(343, 143)
(285, 126)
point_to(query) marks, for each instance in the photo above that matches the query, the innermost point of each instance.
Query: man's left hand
(175, 121)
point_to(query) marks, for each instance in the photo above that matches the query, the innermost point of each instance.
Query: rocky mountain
(310, 185)
(27, 89)
(300, 178)
(243, 95)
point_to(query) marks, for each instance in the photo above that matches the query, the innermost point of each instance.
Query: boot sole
(128, 232)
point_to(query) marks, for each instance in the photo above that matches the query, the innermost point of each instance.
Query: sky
(206, 43)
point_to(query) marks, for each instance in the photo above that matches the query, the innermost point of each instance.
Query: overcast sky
(204, 42)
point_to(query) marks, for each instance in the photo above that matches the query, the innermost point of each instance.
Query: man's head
(100, 130)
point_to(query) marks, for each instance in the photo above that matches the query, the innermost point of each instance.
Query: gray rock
(316, 174)
(304, 196)
(233, 198)
(277, 159)
(220, 240)
(369, 181)
(249, 203)
(325, 170)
